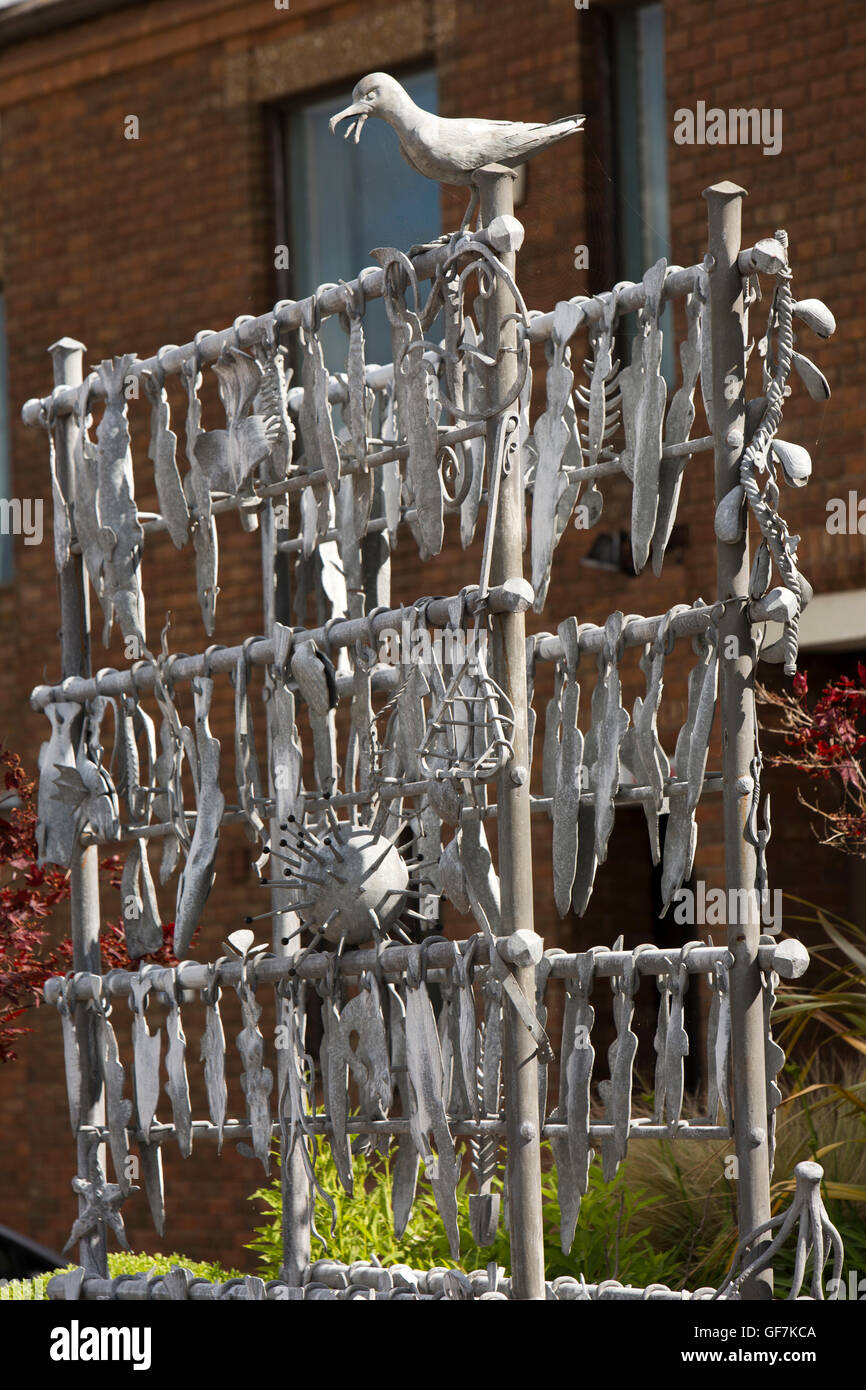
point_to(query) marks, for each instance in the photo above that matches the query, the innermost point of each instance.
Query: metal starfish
(103, 1200)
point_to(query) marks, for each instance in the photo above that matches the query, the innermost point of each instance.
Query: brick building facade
(130, 243)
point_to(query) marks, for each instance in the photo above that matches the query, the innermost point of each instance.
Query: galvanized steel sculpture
(390, 812)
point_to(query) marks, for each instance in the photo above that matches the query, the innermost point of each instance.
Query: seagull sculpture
(447, 151)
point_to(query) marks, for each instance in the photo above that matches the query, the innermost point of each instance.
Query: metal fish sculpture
(198, 873)
(162, 452)
(120, 533)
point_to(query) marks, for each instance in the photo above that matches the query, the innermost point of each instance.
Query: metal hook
(207, 657)
(236, 328)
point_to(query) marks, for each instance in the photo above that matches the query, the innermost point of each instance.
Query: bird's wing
(472, 143)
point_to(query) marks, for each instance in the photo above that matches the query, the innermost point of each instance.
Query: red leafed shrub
(29, 895)
(826, 739)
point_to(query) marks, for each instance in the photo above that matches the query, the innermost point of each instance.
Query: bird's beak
(360, 110)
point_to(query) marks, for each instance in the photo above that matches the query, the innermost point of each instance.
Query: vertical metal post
(737, 711)
(67, 357)
(297, 1197)
(520, 1065)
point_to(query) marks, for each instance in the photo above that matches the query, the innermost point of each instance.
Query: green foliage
(611, 1240)
(118, 1263)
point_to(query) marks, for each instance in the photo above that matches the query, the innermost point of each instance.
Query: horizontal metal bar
(635, 633)
(437, 612)
(608, 467)
(541, 805)
(678, 282)
(333, 299)
(298, 482)
(787, 958)
(400, 1124)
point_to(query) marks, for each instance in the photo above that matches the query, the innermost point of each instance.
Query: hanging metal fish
(671, 1045)
(484, 1204)
(316, 680)
(427, 1118)
(118, 1112)
(356, 376)
(168, 803)
(213, 1052)
(389, 473)
(641, 751)
(457, 1040)
(616, 1093)
(609, 724)
(257, 1080)
(67, 1003)
(351, 526)
(553, 430)
(146, 1051)
(366, 1059)
(552, 735)
(679, 422)
(198, 872)
(141, 919)
(229, 457)
(177, 1085)
(468, 395)
(335, 1082)
(120, 532)
(690, 761)
(150, 1157)
(197, 490)
(422, 481)
(162, 452)
(87, 789)
(774, 1060)
(317, 429)
(248, 777)
(719, 1044)
(569, 780)
(84, 483)
(56, 831)
(571, 1151)
(405, 1164)
(601, 400)
(643, 403)
(272, 404)
(362, 749)
(285, 746)
(62, 525)
(146, 1048)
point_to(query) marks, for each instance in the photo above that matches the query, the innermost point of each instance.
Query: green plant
(834, 1010)
(121, 1262)
(611, 1240)
(695, 1216)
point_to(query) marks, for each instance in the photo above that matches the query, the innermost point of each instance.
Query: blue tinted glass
(5, 469)
(347, 199)
(642, 169)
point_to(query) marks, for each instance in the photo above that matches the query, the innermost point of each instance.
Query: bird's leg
(467, 216)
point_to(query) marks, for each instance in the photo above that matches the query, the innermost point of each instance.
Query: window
(6, 541)
(639, 113)
(337, 201)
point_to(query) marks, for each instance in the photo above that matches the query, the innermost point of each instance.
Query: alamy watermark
(846, 516)
(854, 1288)
(737, 126)
(77, 1343)
(449, 648)
(718, 907)
(22, 517)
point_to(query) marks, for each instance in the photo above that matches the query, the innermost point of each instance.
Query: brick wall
(130, 244)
